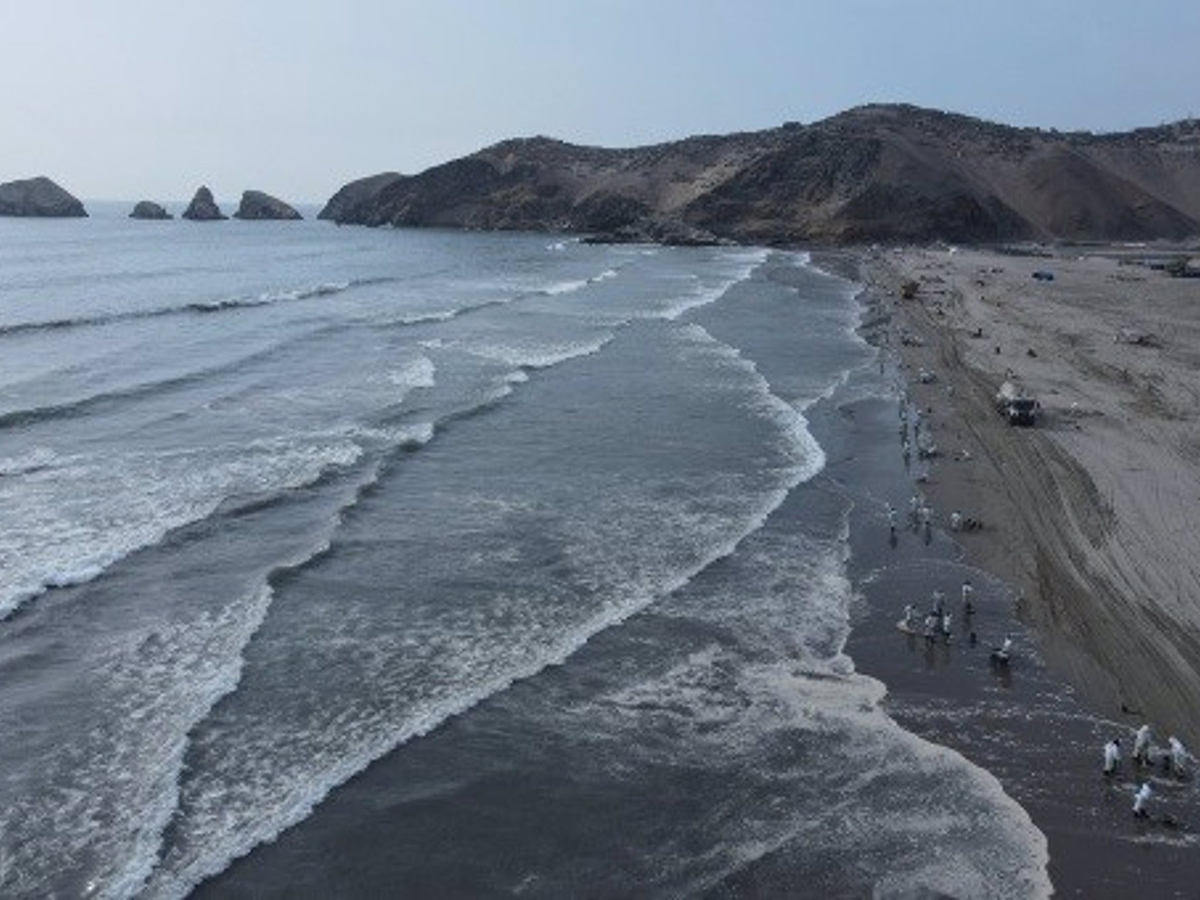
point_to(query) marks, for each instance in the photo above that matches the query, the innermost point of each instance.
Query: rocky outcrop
(38, 197)
(874, 173)
(259, 206)
(203, 208)
(147, 209)
(354, 201)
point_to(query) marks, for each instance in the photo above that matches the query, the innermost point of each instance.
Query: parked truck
(1015, 405)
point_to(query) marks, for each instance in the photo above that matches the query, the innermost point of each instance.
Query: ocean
(350, 562)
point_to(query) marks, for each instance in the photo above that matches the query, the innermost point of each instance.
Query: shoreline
(1064, 503)
(1028, 727)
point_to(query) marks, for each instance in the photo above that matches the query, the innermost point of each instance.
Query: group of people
(939, 620)
(1173, 758)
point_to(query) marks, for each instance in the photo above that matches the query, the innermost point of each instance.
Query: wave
(543, 357)
(199, 859)
(74, 551)
(200, 307)
(88, 404)
(35, 460)
(569, 287)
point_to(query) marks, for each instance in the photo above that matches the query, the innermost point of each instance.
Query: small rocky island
(203, 208)
(147, 209)
(258, 206)
(39, 197)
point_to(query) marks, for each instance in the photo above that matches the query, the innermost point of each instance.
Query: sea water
(445, 564)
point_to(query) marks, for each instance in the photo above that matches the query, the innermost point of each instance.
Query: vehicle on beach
(1015, 405)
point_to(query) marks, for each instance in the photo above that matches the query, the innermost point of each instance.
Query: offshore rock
(203, 208)
(147, 209)
(260, 207)
(38, 197)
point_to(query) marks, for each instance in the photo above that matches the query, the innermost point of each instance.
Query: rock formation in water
(203, 208)
(259, 206)
(147, 209)
(873, 173)
(38, 197)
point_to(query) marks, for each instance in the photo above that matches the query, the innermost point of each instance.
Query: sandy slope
(1095, 514)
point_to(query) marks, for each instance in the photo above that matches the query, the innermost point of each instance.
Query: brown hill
(874, 173)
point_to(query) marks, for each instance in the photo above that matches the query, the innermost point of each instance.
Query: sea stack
(38, 197)
(259, 206)
(147, 209)
(203, 208)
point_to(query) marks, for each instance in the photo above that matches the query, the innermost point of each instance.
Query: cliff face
(875, 173)
(38, 197)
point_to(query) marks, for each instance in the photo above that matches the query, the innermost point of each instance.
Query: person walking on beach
(967, 593)
(1139, 800)
(914, 509)
(946, 626)
(891, 518)
(1141, 746)
(1178, 756)
(910, 615)
(1112, 756)
(1002, 654)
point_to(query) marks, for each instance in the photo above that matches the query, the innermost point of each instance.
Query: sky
(147, 99)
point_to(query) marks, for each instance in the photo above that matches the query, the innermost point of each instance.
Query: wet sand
(1084, 522)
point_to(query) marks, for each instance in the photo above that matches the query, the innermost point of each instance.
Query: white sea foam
(67, 525)
(537, 355)
(35, 459)
(417, 373)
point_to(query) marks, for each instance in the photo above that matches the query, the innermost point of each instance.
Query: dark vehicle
(1015, 406)
(1043, 275)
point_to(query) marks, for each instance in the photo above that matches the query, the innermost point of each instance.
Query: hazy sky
(149, 98)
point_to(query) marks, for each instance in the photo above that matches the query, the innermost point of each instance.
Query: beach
(1085, 525)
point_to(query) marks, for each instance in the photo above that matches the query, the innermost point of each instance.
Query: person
(956, 521)
(1141, 746)
(1002, 654)
(1178, 755)
(1139, 800)
(946, 625)
(939, 603)
(1112, 756)
(931, 624)
(914, 507)
(891, 517)
(967, 593)
(910, 615)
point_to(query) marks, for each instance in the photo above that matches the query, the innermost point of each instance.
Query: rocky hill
(38, 197)
(873, 173)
